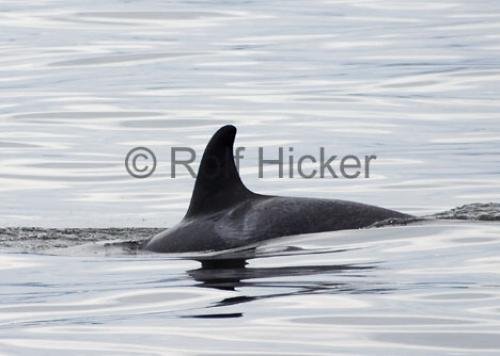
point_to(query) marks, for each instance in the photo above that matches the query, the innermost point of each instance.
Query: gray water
(415, 83)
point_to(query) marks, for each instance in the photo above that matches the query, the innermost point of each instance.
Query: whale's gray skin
(224, 214)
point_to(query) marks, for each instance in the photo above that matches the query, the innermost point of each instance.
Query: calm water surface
(415, 83)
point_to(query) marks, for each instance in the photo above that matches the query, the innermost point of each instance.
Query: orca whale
(224, 214)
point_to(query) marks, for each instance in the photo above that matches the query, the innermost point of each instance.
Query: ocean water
(415, 83)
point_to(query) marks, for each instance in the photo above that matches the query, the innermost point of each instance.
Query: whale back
(224, 214)
(218, 185)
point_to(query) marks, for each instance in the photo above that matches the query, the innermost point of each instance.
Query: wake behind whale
(224, 214)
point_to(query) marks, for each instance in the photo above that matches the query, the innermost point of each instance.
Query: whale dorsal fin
(218, 184)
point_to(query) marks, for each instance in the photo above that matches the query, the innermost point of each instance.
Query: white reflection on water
(412, 82)
(418, 289)
(415, 83)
